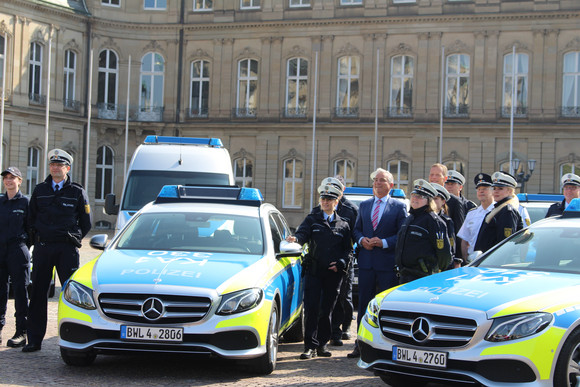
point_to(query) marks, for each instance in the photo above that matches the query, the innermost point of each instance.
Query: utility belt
(59, 239)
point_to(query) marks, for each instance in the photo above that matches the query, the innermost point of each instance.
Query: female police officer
(329, 244)
(14, 254)
(422, 243)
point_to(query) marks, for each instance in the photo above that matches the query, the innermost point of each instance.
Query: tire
(77, 359)
(51, 290)
(296, 332)
(568, 365)
(266, 363)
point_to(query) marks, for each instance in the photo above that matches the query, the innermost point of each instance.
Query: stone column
(478, 70)
(228, 75)
(264, 78)
(536, 76)
(433, 94)
(490, 76)
(277, 75)
(551, 101)
(421, 76)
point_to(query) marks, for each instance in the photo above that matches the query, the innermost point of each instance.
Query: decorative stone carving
(348, 50)
(401, 49)
(457, 47)
(247, 52)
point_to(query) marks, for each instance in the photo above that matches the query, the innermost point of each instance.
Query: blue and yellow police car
(511, 318)
(201, 270)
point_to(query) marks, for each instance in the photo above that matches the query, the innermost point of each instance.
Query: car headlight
(241, 301)
(79, 295)
(372, 313)
(518, 326)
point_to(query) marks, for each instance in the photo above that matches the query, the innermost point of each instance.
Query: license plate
(151, 333)
(420, 357)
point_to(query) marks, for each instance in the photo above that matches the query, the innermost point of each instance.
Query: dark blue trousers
(320, 293)
(14, 263)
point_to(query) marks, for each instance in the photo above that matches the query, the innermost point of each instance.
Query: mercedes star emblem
(153, 309)
(420, 329)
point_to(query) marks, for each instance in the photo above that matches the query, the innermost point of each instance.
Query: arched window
(454, 165)
(104, 173)
(571, 85)
(70, 66)
(199, 93)
(400, 171)
(35, 73)
(293, 191)
(521, 73)
(32, 168)
(457, 85)
(573, 167)
(346, 169)
(347, 95)
(151, 95)
(107, 84)
(243, 171)
(296, 87)
(247, 97)
(401, 97)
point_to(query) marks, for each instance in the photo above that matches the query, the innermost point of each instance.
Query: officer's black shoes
(345, 336)
(354, 354)
(31, 347)
(336, 343)
(322, 351)
(18, 340)
(308, 354)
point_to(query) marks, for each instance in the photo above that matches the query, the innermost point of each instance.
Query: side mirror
(110, 207)
(289, 249)
(99, 241)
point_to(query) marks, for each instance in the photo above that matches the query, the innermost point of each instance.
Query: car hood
(494, 291)
(175, 268)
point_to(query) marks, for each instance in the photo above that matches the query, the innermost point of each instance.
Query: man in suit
(377, 224)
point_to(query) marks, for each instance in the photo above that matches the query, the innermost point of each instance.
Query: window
(32, 166)
(69, 79)
(35, 73)
(249, 4)
(348, 87)
(346, 169)
(571, 85)
(151, 96)
(401, 98)
(351, 2)
(569, 168)
(199, 100)
(107, 86)
(114, 3)
(104, 178)
(299, 3)
(400, 171)
(247, 98)
(293, 183)
(243, 172)
(203, 5)
(296, 87)
(457, 85)
(521, 106)
(155, 4)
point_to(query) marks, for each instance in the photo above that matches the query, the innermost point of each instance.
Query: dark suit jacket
(389, 225)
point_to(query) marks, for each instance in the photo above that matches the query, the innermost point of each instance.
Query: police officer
(329, 244)
(59, 218)
(504, 219)
(440, 201)
(571, 187)
(458, 205)
(14, 254)
(422, 244)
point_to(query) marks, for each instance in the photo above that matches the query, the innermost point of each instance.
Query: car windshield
(552, 249)
(144, 186)
(220, 233)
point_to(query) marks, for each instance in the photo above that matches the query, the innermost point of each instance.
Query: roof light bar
(213, 142)
(210, 194)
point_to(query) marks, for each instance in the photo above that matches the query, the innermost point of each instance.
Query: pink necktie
(375, 217)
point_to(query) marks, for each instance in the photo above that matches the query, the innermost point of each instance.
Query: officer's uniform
(329, 240)
(558, 208)
(58, 222)
(14, 258)
(422, 244)
(445, 195)
(503, 220)
(458, 207)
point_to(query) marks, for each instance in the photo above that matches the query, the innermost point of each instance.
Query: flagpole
(127, 123)
(376, 113)
(47, 107)
(512, 108)
(314, 130)
(3, 97)
(441, 104)
(89, 113)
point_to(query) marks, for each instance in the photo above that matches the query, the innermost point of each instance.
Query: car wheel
(296, 332)
(77, 359)
(51, 290)
(266, 363)
(568, 365)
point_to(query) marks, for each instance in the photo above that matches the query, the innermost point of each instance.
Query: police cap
(441, 191)
(13, 171)
(570, 179)
(503, 179)
(482, 179)
(59, 156)
(333, 181)
(455, 177)
(424, 188)
(329, 191)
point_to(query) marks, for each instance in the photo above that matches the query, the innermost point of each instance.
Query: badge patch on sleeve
(87, 209)
(507, 232)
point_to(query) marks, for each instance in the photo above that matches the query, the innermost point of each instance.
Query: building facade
(358, 84)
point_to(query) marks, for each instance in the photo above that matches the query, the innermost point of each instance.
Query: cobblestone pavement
(47, 368)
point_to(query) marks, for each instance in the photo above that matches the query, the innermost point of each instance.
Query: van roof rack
(212, 142)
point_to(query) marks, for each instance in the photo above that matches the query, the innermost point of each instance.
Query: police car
(511, 318)
(538, 204)
(202, 270)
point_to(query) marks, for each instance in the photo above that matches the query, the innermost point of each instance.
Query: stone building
(263, 75)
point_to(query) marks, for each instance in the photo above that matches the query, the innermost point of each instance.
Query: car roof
(526, 197)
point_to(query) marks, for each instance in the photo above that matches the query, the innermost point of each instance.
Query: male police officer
(571, 187)
(459, 208)
(59, 218)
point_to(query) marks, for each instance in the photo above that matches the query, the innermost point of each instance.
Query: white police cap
(571, 179)
(455, 177)
(59, 156)
(441, 191)
(329, 191)
(424, 188)
(333, 181)
(502, 179)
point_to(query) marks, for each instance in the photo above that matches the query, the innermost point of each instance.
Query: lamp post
(522, 177)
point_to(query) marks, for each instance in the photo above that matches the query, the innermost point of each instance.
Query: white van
(163, 160)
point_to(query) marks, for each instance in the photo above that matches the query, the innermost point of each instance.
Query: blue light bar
(574, 206)
(169, 191)
(210, 194)
(358, 190)
(397, 193)
(213, 142)
(250, 194)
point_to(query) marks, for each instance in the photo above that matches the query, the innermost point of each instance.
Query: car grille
(427, 330)
(160, 309)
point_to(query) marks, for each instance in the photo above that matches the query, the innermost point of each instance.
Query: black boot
(18, 340)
